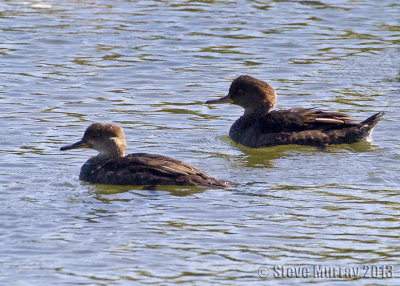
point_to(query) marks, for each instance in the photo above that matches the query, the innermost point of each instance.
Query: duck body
(112, 167)
(300, 126)
(261, 127)
(145, 169)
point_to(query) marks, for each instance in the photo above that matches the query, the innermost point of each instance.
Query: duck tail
(367, 126)
(371, 121)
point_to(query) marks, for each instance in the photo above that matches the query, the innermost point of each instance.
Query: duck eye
(240, 92)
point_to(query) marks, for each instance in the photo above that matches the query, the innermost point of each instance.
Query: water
(149, 66)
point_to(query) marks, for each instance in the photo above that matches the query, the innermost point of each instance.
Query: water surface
(149, 66)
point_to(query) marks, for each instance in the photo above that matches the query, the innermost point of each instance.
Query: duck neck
(257, 110)
(114, 149)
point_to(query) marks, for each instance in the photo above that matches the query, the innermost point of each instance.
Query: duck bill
(225, 99)
(79, 144)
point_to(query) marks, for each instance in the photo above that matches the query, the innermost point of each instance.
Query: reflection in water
(265, 157)
(358, 147)
(146, 190)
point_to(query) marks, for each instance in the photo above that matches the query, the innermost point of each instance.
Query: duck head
(107, 139)
(250, 93)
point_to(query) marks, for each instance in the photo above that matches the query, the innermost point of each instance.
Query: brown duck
(112, 167)
(260, 127)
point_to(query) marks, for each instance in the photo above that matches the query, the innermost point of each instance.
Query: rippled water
(149, 66)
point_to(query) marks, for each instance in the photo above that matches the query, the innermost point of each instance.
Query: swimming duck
(261, 127)
(112, 167)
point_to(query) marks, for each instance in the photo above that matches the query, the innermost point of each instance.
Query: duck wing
(301, 119)
(162, 164)
(151, 169)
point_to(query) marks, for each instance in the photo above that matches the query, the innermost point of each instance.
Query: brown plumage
(260, 127)
(110, 166)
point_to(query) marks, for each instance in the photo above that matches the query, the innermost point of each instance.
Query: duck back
(145, 169)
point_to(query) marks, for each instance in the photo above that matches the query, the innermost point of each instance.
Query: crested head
(252, 93)
(107, 139)
(103, 130)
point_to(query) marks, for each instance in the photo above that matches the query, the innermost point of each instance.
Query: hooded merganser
(112, 167)
(260, 127)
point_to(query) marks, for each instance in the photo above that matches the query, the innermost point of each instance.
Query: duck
(261, 127)
(112, 167)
